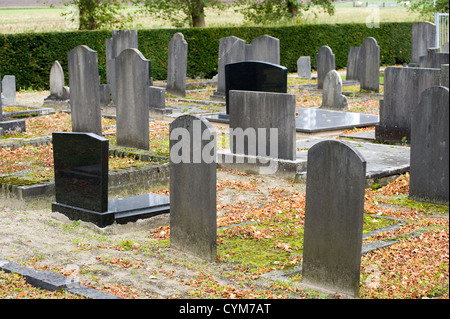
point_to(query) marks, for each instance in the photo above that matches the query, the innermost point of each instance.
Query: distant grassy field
(45, 19)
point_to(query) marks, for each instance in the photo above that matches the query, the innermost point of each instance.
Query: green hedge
(29, 56)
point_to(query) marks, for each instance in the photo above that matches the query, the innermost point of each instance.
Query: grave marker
(325, 63)
(254, 76)
(265, 49)
(84, 86)
(429, 180)
(231, 49)
(304, 67)
(334, 217)
(422, 38)
(177, 65)
(193, 227)
(258, 113)
(332, 97)
(402, 89)
(9, 89)
(57, 89)
(352, 64)
(132, 85)
(369, 65)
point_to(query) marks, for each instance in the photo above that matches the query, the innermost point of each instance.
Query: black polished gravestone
(81, 183)
(254, 76)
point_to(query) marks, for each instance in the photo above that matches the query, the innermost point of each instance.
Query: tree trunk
(87, 15)
(198, 14)
(292, 8)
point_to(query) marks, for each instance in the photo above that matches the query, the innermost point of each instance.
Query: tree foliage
(272, 11)
(96, 14)
(427, 8)
(179, 12)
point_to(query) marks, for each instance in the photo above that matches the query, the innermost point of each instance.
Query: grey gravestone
(157, 97)
(429, 170)
(84, 85)
(444, 75)
(434, 59)
(265, 49)
(9, 89)
(325, 63)
(57, 89)
(445, 47)
(334, 217)
(422, 38)
(332, 97)
(304, 67)
(251, 112)
(81, 184)
(402, 89)
(104, 94)
(254, 76)
(120, 40)
(231, 49)
(352, 64)
(369, 65)
(177, 65)
(132, 85)
(193, 227)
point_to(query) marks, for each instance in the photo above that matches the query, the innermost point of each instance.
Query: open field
(45, 19)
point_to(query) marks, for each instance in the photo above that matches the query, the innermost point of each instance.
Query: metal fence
(441, 22)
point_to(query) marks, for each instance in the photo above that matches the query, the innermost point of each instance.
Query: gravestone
(429, 179)
(434, 58)
(157, 97)
(193, 227)
(254, 115)
(444, 75)
(352, 64)
(304, 67)
(332, 97)
(81, 184)
(325, 63)
(120, 40)
(254, 76)
(423, 35)
(9, 89)
(334, 217)
(369, 65)
(12, 125)
(57, 89)
(132, 85)
(265, 49)
(402, 89)
(177, 65)
(84, 83)
(231, 49)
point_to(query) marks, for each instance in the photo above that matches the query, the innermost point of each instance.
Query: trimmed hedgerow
(29, 56)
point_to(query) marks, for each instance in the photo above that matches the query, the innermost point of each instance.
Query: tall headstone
(332, 97)
(193, 225)
(254, 76)
(334, 217)
(429, 179)
(9, 89)
(352, 64)
(120, 40)
(325, 63)
(132, 85)
(369, 65)
(304, 67)
(402, 89)
(256, 114)
(84, 83)
(422, 38)
(265, 49)
(177, 65)
(231, 49)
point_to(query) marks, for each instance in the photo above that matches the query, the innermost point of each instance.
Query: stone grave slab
(81, 184)
(312, 120)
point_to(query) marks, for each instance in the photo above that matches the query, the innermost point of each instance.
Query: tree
(427, 8)
(266, 11)
(96, 14)
(180, 12)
